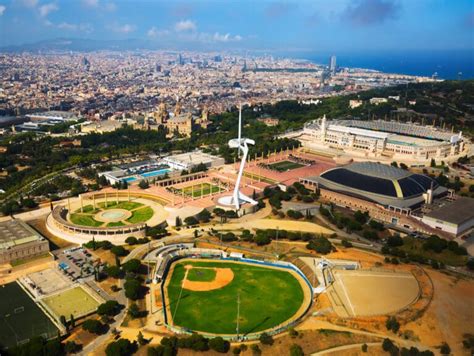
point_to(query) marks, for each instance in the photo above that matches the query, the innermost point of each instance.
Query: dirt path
(223, 277)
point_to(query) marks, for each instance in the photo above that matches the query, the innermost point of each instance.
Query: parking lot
(75, 263)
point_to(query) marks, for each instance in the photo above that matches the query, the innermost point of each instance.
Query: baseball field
(207, 296)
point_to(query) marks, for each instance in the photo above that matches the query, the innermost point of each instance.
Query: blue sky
(329, 25)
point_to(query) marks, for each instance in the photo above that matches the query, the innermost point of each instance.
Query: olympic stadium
(378, 183)
(382, 140)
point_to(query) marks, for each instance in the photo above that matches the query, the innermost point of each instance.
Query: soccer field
(20, 317)
(75, 301)
(268, 297)
(284, 166)
(198, 190)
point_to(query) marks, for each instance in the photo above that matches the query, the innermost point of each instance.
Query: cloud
(217, 37)
(45, 10)
(278, 9)
(371, 12)
(154, 32)
(96, 4)
(2, 9)
(125, 28)
(82, 27)
(185, 25)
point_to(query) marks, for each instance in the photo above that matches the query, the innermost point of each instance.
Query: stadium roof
(457, 212)
(382, 184)
(16, 232)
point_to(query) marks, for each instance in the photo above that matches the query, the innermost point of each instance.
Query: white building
(456, 218)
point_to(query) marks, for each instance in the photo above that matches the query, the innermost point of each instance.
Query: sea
(452, 64)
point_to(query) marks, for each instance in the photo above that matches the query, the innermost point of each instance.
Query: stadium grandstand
(389, 140)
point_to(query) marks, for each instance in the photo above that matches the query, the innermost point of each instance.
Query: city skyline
(267, 25)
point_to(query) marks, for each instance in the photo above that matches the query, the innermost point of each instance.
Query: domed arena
(379, 183)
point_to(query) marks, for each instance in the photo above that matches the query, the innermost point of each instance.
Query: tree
(364, 348)
(346, 243)
(392, 324)
(113, 271)
(321, 245)
(178, 222)
(131, 240)
(266, 339)
(134, 311)
(110, 308)
(433, 163)
(445, 349)
(72, 321)
(121, 347)
(119, 251)
(219, 344)
(71, 347)
(204, 216)
(141, 339)
(255, 350)
(63, 321)
(191, 220)
(144, 184)
(133, 289)
(93, 326)
(388, 345)
(296, 350)
(132, 266)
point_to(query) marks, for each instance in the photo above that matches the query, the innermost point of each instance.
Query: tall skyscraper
(332, 64)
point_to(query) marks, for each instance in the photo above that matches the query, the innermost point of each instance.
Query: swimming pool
(159, 172)
(129, 179)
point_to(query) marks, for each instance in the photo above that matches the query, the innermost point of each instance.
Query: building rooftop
(456, 212)
(16, 232)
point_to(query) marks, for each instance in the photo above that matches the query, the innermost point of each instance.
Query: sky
(317, 25)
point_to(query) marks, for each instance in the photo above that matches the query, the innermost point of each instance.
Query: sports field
(284, 166)
(75, 301)
(20, 317)
(198, 190)
(268, 296)
(366, 292)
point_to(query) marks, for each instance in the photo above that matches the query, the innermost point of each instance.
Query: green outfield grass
(141, 215)
(284, 166)
(268, 297)
(84, 220)
(206, 190)
(201, 274)
(75, 301)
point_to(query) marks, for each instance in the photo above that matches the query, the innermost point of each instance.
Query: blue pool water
(159, 172)
(129, 179)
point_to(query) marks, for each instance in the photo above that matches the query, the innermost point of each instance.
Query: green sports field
(20, 317)
(284, 166)
(268, 298)
(75, 301)
(198, 190)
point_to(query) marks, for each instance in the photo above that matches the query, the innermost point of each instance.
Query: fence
(254, 336)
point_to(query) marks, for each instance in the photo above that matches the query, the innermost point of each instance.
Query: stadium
(210, 292)
(378, 183)
(109, 215)
(382, 140)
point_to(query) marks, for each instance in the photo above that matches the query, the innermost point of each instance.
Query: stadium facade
(390, 140)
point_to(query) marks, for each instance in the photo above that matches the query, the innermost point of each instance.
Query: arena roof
(379, 183)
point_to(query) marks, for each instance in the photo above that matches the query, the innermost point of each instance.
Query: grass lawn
(284, 166)
(127, 205)
(206, 190)
(141, 215)
(412, 245)
(84, 220)
(201, 274)
(261, 178)
(87, 209)
(117, 223)
(268, 297)
(75, 301)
